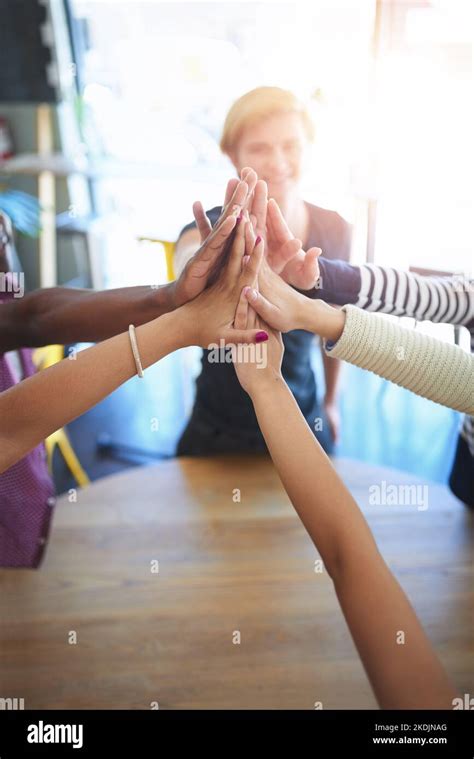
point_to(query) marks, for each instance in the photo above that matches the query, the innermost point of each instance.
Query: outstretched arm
(62, 315)
(36, 407)
(381, 288)
(405, 673)
(65, 315)
(41, 404)
(429, 367)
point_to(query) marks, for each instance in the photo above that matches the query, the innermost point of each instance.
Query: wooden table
(224, 566)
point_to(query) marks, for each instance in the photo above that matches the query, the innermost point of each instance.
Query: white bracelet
(136, 354)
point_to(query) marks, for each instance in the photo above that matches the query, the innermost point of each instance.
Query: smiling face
(274, 147)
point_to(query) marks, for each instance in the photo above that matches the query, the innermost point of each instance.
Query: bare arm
(332, 372)
(65, 315)
(36, 407)
(405, 672)
(403, 676)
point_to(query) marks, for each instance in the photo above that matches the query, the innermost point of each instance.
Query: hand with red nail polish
(210, 316)
(256, 369)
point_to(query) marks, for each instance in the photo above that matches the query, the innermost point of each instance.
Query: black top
(219, 395)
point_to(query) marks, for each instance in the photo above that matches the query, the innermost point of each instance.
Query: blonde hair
(254, 106)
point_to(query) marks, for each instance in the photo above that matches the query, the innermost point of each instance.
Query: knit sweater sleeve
(429, 367)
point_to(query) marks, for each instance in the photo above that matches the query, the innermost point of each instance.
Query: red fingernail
(259, 239)
(260, 337)
(239, 217)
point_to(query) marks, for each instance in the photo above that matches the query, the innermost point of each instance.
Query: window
(158, 78)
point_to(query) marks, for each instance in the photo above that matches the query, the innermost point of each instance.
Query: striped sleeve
(439, 299)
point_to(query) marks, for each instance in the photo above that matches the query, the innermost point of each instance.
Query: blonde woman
(269, 130)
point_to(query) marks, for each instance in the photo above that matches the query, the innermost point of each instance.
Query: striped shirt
(447, 300)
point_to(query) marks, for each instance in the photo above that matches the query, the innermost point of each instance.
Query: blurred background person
(270, 130)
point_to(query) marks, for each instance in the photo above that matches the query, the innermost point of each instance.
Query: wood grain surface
(224, 566)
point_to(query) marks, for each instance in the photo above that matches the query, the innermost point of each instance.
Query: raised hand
(276, 302)
(284, 309)
(251, 361)
(210, 316)
(237, 197)
(257, 365)
(285, 254)
(195, 275)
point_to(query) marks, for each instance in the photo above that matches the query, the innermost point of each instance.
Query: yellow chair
(169, 254)
(44, 358)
